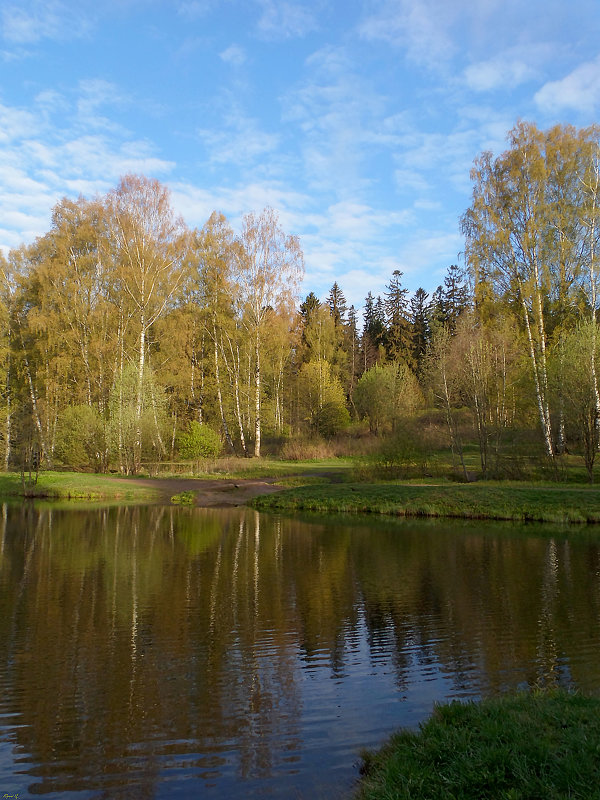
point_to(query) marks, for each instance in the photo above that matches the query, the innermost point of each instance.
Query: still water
(176, 652)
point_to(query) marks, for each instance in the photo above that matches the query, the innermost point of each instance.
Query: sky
(358, 121)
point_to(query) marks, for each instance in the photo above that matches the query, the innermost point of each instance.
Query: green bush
(199, 441)
(80, 438)
(332, 418)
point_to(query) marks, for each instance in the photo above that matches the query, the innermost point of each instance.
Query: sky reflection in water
(176, 652)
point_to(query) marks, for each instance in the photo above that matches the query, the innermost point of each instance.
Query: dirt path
(209, 493)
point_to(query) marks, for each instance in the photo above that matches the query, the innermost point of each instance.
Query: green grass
(482, 500)
(542, 745)
(75, 486)
(230, 468)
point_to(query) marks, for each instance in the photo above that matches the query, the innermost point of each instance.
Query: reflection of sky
(271, 682)
(357, 706)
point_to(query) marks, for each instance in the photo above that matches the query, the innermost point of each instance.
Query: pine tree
(455, 295)
(353, 346)
(398, 325)
(421, 333)
(373, 331)
(337, 305)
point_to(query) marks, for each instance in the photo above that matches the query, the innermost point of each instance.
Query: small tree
(387, 393)
(81, 439)
(332, 418)
(199, 441)
(571, 376)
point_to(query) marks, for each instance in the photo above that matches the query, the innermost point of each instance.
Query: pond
(162, 652)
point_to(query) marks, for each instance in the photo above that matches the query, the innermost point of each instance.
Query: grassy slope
(472, 501)
(75, 486)
(540, 745)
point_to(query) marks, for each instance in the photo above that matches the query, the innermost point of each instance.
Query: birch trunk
(257, 409)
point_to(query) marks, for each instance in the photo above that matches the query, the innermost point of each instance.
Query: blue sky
(357, 120)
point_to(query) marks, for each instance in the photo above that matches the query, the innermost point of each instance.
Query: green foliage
(199, 441)
(78, 486)
(125, 428)
(80, 437)
(321, 389)
(573, 376)
(184, 499)
(387, 393)
(407, 449)
(332, 418)
(468, 501)
(543, 744)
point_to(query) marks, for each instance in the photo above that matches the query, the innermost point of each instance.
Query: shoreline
(579, 505)
(572, 504)
(76, 486)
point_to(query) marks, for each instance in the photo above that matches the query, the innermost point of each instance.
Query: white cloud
(96, 92)
(28, 23)
(194, 9)
(51, 100)
(45, 155)
(579, 91)
(15, 123)
(240, 141)
(505, 71)
(234, 55)
(281, 19)
(420, 27)
(339, 117)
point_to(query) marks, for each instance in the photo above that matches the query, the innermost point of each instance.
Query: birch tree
(270, 267)
(214, 247)
(521, 238)
(149, 244)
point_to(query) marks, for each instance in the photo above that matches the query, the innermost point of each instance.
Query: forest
(129, 339)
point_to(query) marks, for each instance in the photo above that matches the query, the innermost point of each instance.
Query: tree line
(128, 337)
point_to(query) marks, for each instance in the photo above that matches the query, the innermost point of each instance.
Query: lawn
(481, 500)
(543, 744)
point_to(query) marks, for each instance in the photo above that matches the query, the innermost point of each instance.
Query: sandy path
(209, 492)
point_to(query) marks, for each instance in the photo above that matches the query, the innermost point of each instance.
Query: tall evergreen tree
(337, 305)
(353, 346)
(455, 294)
(398, 338)
(419, 318)
(373, 336)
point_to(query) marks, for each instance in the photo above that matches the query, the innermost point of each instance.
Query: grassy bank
(530, 502)
(540, 745)
(75, 486)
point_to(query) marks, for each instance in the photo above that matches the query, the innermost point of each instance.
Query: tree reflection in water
(144, 647)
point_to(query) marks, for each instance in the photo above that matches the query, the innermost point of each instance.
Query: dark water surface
(173, 652)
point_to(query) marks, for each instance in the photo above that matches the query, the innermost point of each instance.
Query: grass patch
(75, 486)
(184, 499)
(540, 745)
(518, 503)
(232, 468)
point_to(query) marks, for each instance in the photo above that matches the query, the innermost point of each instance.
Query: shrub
(199, 441)
(80, 439)
(332, 418)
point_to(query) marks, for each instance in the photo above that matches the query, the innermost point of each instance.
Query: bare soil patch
(209, 493)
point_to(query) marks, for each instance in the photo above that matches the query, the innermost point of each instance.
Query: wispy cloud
(420, 27)
(234, 55)
(194, 9)
(27, 23)
(337, 114)
(281, 19)
(15, 123)
(579, 90)
(95, 95)
(507, 69)
(52, 150)
(239, 141)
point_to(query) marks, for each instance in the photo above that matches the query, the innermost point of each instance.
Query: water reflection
(152, 652)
